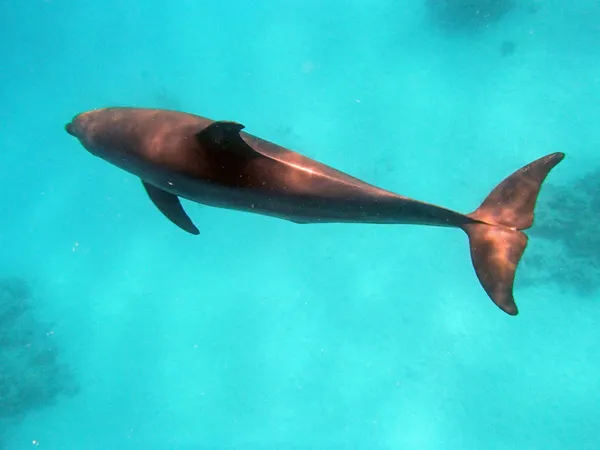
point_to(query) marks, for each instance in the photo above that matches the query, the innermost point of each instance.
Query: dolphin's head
(99, 132)
(80, 124)
(71, 127)
(113, 134)
(84, 127)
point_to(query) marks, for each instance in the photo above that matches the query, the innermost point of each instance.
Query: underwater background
(120, 331)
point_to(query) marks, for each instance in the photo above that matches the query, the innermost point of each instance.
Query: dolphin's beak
(69, 129)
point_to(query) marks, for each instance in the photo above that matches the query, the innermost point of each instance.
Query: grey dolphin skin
(215, 163)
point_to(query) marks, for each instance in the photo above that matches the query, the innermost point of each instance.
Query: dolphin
(181, 155)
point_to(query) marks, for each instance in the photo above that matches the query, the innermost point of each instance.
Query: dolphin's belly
(354, 207)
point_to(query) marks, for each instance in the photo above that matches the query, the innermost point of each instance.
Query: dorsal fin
(226, 136)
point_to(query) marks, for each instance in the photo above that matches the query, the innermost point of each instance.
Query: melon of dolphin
(176, 154)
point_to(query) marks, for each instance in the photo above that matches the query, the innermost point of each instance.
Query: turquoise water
(261, 333)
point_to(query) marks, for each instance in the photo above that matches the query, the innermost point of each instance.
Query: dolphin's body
(177, 154)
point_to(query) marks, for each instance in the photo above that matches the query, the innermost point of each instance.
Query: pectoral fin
(170, 206)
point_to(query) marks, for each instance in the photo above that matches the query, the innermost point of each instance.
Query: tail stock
(496, 242)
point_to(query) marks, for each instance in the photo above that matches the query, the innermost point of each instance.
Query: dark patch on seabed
(467, 14)
(32, 375)
(565, 245)
(475, 15)
(507, 48)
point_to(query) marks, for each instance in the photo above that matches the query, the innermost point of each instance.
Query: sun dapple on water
(176, 154)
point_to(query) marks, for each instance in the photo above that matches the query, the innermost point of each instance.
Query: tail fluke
(495, 240)
(495, 252)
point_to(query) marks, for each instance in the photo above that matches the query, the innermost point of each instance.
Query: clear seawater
(264, 334)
